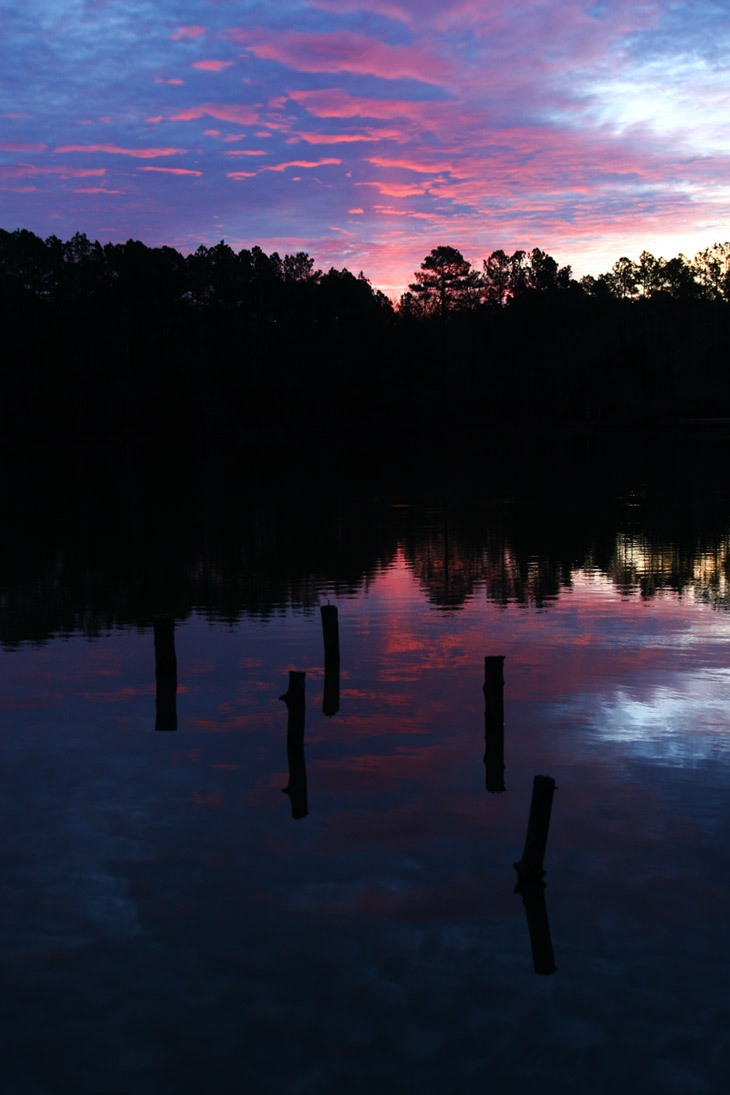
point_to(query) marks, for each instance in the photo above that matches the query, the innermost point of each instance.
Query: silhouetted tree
(711, 268)
(543, 273)
(497, 278)
(600, 287)
(623, 278)
(445, 283)
(300, 267)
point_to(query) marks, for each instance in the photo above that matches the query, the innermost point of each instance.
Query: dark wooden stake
(296, 789)
(165, 672)
(494, 722)
(331, 633)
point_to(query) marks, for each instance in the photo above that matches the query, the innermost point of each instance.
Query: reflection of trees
(446, 564)
(123, 549)
(125, 544)
(451, 572)
(527, 554)
(702, 567)
(492, 550)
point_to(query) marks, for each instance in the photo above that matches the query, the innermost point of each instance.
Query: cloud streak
(212, 66)
(115, 150)
(173, 170)
(306, 164)
(222, 112)
(16, 171)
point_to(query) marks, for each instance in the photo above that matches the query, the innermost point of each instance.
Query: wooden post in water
(494, 722)
(331, 633)
(530, 866)
(165, 672)
(296, 789)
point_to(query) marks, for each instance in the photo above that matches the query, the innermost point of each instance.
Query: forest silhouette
(125, 340)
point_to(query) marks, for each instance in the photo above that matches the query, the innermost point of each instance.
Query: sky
(367, 132)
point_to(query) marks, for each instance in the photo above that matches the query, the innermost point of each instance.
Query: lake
(171, 921)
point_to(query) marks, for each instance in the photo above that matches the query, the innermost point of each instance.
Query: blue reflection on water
(166, 925)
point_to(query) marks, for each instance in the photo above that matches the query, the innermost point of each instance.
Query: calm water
(167, 925)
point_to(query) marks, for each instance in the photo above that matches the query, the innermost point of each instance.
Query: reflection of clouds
(58, 888)
(387, 927)
(677, 725)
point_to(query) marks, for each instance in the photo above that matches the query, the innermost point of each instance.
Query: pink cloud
(115, 150)
(390, 8)
(351, 138)
(355, 211)
(241, 115)
(17, 172)
(299, 163)
(212, 66)
(173, 170)
(341, 51)
(191, 31)
(387, 210)
(621, 16)
(398, 190)
(162, 80)
(18, 146)
(283, 167)
(438, 14)
(421, 166)
(245, 152)
(336, 103)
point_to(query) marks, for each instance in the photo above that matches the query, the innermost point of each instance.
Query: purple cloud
(341, 51)
(188, 32)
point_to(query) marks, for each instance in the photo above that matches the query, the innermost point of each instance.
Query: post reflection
(530, 874)
(165, 672)
(532, 892)
(296, 789)
(494, 723)
(331, 634)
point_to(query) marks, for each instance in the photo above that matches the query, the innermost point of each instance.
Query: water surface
(167, 924)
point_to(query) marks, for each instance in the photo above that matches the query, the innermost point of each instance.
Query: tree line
(128, 340)
(132, 275)
(447, 282)
(219, 277)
